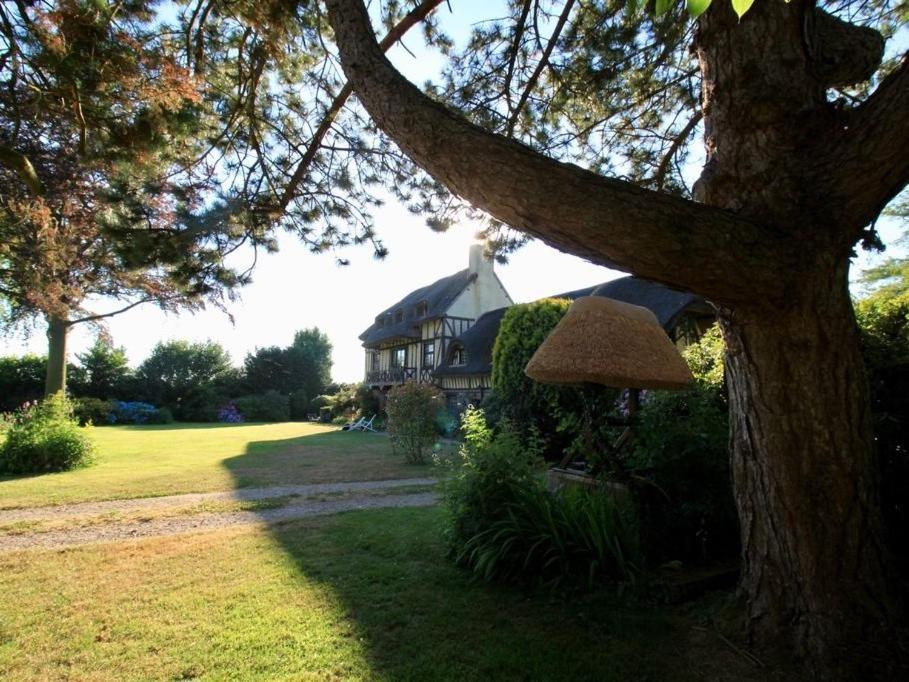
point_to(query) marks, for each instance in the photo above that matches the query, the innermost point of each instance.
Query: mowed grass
(148, 461)
(366, 595)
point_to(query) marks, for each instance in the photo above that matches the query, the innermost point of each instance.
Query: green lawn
(145, 461)
(361, 596)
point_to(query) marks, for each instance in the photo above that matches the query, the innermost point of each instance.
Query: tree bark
(815, 570)
(57, 329)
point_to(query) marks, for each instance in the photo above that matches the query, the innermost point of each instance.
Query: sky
(294, 289)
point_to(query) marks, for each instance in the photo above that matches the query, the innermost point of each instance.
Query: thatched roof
(667, 305)
(437, 296)
(604, 341)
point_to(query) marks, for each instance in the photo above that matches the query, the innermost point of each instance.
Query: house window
(422, 308)
(398, 356)
(374, 361)
(458, 356)
(399, 315)
(429, 354)
(380, 322)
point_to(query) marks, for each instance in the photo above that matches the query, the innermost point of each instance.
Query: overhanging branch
(607, 221)
(414, 17)
(20, 164)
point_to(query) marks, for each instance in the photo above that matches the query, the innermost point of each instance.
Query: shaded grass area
(360, 596)
(148, 461)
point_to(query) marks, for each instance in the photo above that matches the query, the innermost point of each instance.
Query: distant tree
(892, 276)
(21, 379)
(106, 370)
(177, 371)
(303, 367)
(309, 361)
(265, 369)
(99, 129)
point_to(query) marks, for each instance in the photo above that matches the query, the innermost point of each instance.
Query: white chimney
(479, 264)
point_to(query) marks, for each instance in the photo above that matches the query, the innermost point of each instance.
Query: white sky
(294, 289)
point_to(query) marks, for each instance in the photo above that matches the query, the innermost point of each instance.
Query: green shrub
(198, 404)
(556, 412)
(412, 411)
(367, 401)
(575, 536)
(681, 447)
(317, 403)
(45, 437)
(486, 473)
(91, 410)
(883, 319)
(160, 416)
(270, 406)
(504, 525)
(298, 405)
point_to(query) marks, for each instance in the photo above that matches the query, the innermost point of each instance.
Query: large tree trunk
(805, 482)
(55, 381)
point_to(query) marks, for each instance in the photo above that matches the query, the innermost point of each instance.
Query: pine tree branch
(414, 17)
(20, 164)
(101, 316)
(544, 60)
(680, 139)
(608, 221)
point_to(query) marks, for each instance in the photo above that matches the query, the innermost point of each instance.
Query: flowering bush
(44, 437)
(229, 414)
(136, 412)
(412, 412)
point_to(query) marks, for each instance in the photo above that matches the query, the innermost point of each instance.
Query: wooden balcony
(399, 375)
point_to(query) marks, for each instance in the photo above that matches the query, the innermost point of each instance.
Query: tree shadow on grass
(334, 456)
(417, 616)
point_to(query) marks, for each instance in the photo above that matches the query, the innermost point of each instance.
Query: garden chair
(367, 425)
(354, 426)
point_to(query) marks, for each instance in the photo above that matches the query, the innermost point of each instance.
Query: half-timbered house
(407, 341)
(444, 333)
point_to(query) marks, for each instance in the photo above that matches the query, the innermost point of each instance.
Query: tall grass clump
(505, 526)
(44, 437)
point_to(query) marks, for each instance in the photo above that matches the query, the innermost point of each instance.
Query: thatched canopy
(604, 341)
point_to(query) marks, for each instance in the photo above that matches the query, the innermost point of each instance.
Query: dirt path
(113, 532)
(192, 499)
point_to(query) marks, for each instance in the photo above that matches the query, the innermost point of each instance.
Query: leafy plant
(270, 406)
(572, 536)
(681, 448)
(45, 437)
(412, 411)
(91, 410)
(556, 412)
(485, 476)
(504, 525)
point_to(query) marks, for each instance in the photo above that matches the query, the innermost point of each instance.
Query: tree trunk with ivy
(790, 184)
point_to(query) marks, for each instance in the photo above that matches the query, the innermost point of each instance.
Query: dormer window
(422, 309)
(458, 356)
(399, 315)
(380, 321)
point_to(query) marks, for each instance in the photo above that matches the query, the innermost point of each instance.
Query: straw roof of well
(604, 341)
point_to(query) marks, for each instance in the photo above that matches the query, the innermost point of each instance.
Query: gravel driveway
(356, 495)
